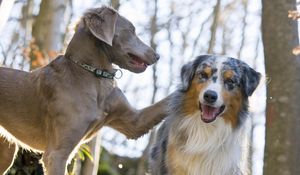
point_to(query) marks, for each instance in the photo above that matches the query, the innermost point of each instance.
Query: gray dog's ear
(102, 22)
(250, 80)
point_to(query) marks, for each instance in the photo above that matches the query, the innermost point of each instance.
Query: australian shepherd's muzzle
(204, 131)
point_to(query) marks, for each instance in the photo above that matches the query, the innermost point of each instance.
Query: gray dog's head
(124, 47)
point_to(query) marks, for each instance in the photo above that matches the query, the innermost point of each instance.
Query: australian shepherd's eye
(203, 76)
(206, 73)
(229, 83)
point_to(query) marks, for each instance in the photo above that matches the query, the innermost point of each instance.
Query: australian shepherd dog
(204, 131)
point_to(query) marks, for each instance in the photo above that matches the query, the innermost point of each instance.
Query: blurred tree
(142, 163)
(90, 166)
(214, 27)
(112, 164)
(280, 36)
(115, 4)
(5, 8)
(46, 31)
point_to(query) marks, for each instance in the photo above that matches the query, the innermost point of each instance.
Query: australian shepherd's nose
(204, 131)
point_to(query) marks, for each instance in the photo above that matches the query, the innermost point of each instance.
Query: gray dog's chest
(99, 120)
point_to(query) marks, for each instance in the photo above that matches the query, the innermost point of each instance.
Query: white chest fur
(208, 149)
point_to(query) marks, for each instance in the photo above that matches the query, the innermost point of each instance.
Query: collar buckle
(104, 74)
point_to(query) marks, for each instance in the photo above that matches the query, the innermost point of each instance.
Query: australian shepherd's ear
(250, 80)
(188, 72)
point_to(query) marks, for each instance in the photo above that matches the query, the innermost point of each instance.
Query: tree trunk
(47, 27)
(47, 32)
(91, 167)
(115, 4)
(280, 35)
(214, 27)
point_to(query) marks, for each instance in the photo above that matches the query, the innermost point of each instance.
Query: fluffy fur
(188, 143)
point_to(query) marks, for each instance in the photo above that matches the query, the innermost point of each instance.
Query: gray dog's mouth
(210, 113)
(137, 62)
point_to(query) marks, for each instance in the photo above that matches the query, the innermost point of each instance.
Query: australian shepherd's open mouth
(210, 113)
(137, 62)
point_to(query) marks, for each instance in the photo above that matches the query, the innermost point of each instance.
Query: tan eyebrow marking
(208, 71)
(228, 74)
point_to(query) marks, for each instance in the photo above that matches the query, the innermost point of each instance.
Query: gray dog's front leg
(129, 121)
(7, 154)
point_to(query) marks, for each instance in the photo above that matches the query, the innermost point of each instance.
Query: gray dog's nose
(157, 56)
(210, 96)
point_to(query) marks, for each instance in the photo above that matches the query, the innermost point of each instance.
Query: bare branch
(3, 54)
(244, 25)
(224, 40)
(214, 26)
(5, 8)
(195, 44)
(170, 39)
(115, 4)
(153, 31)
(71, 15)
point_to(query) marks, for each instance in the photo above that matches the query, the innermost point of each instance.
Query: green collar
(97, 72)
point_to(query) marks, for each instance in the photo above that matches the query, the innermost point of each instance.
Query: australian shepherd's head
(219, 87)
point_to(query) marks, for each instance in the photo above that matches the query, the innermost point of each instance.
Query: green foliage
(84, 151)
(105, 169)
(110, 164)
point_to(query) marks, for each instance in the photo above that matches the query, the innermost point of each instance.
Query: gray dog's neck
(85, 48)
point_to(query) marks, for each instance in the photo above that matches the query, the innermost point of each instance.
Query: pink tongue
(209, 113)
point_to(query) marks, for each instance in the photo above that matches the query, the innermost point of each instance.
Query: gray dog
(56, 108)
